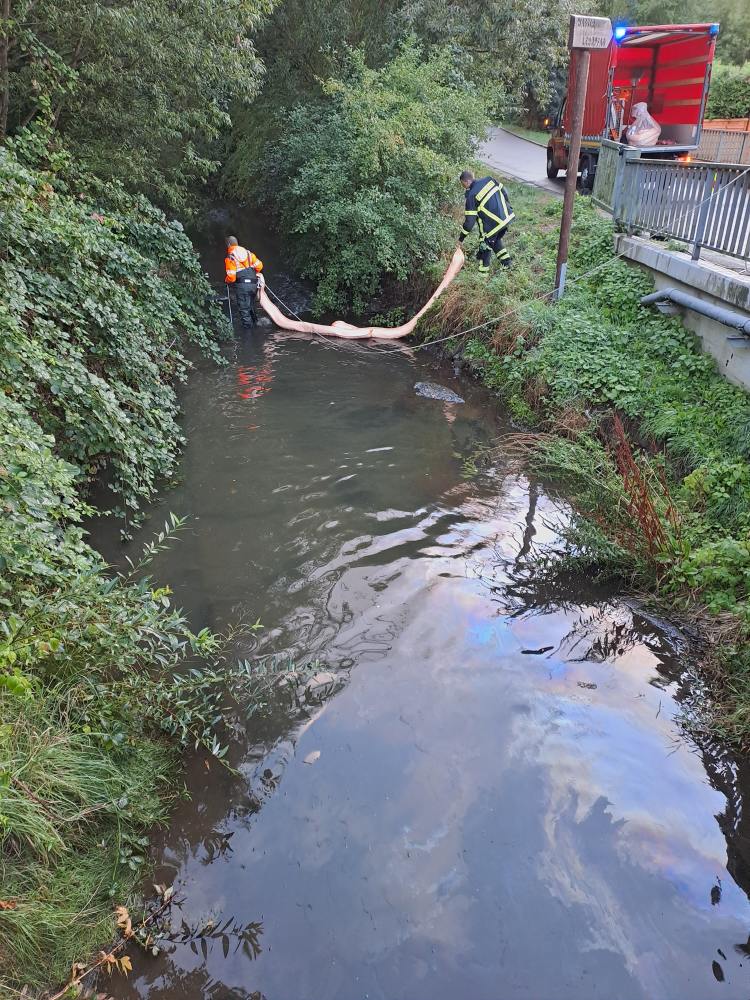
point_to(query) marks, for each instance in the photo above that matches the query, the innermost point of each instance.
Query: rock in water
(320, 686)
(430, 390)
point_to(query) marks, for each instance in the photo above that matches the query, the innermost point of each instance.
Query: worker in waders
(488, 206)
(243, 270)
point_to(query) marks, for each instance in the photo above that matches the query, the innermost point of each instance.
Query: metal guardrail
(706, 205)
(609, 172)
(721, 145)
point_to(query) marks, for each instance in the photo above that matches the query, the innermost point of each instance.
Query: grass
(535, 135)
(72, 816)
(651, 441)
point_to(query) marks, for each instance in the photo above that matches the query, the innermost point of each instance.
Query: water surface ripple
(498, 804)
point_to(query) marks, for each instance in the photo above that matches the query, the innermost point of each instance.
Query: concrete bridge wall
(708, 280)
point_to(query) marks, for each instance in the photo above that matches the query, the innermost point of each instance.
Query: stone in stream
(320, 686)
(431, 390)
(287, 679)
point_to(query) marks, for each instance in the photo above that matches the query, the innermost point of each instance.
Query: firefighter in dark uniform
(487, 204)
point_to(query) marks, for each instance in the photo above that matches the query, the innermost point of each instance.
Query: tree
(359, 176)
(303, 43)
(733, 44)
(140, 89)
(650, 11)
(512, 45)
(729, 96)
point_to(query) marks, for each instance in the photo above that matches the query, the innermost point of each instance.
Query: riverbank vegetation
(102, 682)
(619, 404)
(101, 105)
(103, 297)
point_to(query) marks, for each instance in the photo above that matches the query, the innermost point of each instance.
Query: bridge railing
(705, 205)
(720, 145)
(609, 174)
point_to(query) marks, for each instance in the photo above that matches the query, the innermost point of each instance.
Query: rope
(328, 341)
(283, 304)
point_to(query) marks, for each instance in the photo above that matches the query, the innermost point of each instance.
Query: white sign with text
(589, 32)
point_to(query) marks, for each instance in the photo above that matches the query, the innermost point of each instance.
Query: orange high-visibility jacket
(237, 259)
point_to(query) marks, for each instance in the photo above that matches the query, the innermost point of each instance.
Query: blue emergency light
(714, 29)
(620, 31)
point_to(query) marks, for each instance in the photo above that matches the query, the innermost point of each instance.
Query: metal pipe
(738, 321)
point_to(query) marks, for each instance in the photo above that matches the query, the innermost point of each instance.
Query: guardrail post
(628, 192)
(700, 229)
(617, 186)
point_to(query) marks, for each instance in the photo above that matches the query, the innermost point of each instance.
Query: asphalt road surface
(520, 159)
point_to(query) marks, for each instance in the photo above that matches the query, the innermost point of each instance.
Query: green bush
(72, 821)
(359, 177)
(729, 96)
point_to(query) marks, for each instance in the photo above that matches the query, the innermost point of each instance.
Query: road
(520, 159)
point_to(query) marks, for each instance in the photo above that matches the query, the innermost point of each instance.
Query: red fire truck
(667, 65)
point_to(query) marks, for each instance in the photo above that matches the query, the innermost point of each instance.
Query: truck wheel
(587, 175)
(552, 170)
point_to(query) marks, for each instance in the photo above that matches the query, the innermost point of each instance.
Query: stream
(499, 802)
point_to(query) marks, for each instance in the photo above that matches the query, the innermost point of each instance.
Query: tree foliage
(302, 44)
(729, 96)
(305, 42)
(512, 45)
(359, 176)
(140, 89)
(733, 44)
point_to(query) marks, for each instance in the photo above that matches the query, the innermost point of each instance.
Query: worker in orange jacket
(243, 270)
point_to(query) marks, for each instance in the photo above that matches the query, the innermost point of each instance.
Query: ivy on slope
(103, 294)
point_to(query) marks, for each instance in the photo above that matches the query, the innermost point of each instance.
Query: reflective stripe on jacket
(238, 259)
(487, 203)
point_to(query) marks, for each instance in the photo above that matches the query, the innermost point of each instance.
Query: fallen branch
(80, 971)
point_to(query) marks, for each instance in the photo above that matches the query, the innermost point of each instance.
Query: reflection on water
(499, 802)
(253, 381)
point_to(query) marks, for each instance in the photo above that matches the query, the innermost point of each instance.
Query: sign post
(586, 33)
